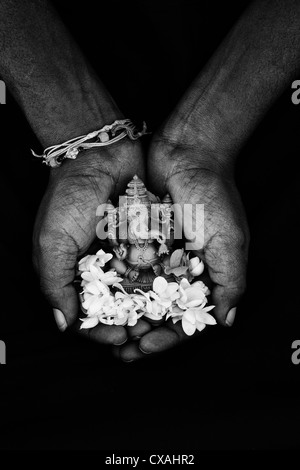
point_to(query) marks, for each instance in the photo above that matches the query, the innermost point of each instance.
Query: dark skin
(192, 156)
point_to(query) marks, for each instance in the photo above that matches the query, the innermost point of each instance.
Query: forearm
(256, 61)
(47, 74)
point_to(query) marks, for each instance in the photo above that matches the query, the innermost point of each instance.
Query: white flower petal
(120, 321)
(194, 262)
(144, 294)
(208, 309)
(87, 302)
(95, 306)
(197, 269)
(98, 287)
(169, 314)
(83, 260)
(184, 284)
(96, 272)
(87, 299)
(205, 318)
(138, 301)
(110, 278)
(190, 316)
(85, 263)
(90, 261)
(132, 321)
(175, 259)
(160, 284)
(119, 295)
(177, 310)
(153, 316)
(175, 296)
(103, 258)
(92, 288)
(193, 293)
(176, 319)
(119, 286)
(100, 252)
(90, 322)
(87, 276)
(188, 327)
(178, 271)
(200, 326)
(128, 303)
(200, 285)
(171, 289)
(194, 303)
(107, 321)
(165, 303)
(181, 304)
(203, 304)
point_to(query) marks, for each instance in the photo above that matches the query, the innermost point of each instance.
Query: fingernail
(120, 344)
(60, 319)
(144, 352)
(136, 338)
(230, 316)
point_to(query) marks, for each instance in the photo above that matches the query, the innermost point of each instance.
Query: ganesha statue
(140, 273)
(141, 234)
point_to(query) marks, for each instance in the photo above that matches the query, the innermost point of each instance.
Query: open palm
(66, 221)
(183, 174)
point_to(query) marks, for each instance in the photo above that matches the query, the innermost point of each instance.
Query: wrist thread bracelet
(54, 156)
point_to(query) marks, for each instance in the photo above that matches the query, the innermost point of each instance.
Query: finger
(64, 228)
(164, 338)
(54, 259)
(227, 269)
(226, 300)
(159, 340)
(129, 352)
(156, 341)
(139, 329)
(104, 334)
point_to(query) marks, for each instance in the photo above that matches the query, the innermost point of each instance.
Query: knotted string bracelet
(54, 156)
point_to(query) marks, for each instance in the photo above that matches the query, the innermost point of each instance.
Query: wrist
(61, 111)
(120, 161)
(187, 149)
(203, 130)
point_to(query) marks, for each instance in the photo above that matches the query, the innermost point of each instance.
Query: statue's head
(138, 212)
(135, 212)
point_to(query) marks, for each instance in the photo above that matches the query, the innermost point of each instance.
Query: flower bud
(196, 266)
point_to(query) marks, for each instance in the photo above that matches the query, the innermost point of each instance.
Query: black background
(231, 388)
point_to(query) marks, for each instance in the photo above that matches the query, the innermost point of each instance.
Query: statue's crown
(136, 192)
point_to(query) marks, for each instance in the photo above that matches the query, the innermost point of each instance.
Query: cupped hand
(194, 178)
(66, 222)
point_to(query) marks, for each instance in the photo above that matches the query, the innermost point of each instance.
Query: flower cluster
(104, 300)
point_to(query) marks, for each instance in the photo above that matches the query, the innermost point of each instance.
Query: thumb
(227, 264)
(54, 258)
(66, 313)
(225, 301)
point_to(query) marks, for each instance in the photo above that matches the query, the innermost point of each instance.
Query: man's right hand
(66, 222)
